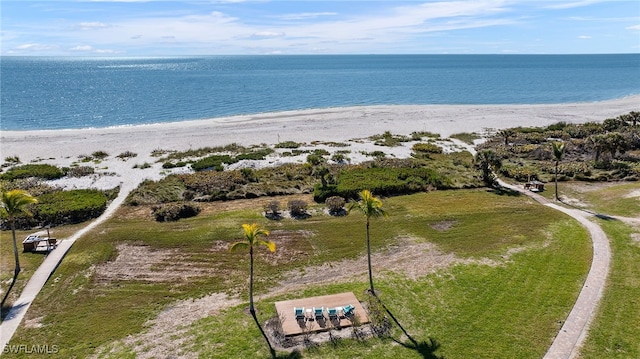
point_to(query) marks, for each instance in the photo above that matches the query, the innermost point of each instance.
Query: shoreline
(255, 128)
(63, 147)
(317, 111)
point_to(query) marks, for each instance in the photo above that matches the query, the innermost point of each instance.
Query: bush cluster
(383, 181)
(175, 211)
(297, 208)
(335, 205)
(68, 207)
(79, 171)
(215, 162)
(43, 171)
(425, 148)
(288, 144)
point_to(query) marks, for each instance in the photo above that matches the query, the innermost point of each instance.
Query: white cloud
(305, 15)
(92, 26)
(574, 4)
(35, 47)
(633, 27)
(267, 34)
(584, 37)
(88, 48)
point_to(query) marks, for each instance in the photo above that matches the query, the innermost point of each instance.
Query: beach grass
(528, 266)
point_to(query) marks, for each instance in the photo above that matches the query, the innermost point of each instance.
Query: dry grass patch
(141, 263)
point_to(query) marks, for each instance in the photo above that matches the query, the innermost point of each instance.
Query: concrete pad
(291, 326)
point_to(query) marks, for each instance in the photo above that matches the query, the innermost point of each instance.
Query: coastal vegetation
(489, 288)
(484, 300)
(607, 151)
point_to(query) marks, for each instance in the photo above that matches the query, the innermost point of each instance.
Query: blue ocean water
(60, 93)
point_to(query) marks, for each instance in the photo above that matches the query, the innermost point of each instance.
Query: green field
(519, 267)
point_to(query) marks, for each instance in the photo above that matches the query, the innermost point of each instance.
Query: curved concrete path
(17, 312)
(569, 340)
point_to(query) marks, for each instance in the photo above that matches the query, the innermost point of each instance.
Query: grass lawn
(520, 268)
(29, 262)
(616, 329)
(619, 200)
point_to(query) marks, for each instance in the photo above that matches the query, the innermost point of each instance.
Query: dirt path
(571, 336)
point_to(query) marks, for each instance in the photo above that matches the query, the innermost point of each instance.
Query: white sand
(62, 147)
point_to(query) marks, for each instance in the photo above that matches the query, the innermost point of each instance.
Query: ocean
(64, 92)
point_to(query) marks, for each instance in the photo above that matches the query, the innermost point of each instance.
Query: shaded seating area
(35, 243)
(322, 313)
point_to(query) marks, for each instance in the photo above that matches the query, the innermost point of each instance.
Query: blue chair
(299, 313)
(349, 310)
(333, 313)
(318, 313)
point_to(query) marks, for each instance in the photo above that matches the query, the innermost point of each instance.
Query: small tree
(335, 204)
(370, 206)
(252, 234)
(506, 134)
(488, 160)
(297, 208)
(558, 152)
(14, 203)
(272, 209)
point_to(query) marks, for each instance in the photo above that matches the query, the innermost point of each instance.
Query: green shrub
(288, 144)
(175, 211)
(418, 135)
(426, 148)
(100, 155)
(388, 139)
(335, 205)
(79, 171)
(68, 207)
(272, 209)
(315, 159)
(382, 181)
(297, 208)
(466, 137)
(126, 155)
(43, 171)
(214, 162)
(168, 189)
(339, 158)
(12, 159)
(254, 155)
(520, 173)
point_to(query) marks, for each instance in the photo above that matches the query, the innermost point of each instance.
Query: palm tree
(252, 234)
(370, 206)
(488, 160)
(558, 151)
(506, 133)
(14, 203)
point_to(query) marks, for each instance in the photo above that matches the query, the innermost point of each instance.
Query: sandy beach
(62, 147)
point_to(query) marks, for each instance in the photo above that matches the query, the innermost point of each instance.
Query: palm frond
(237, 246)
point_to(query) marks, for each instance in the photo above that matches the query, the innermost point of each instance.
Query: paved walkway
(17, 312)
(572, 334)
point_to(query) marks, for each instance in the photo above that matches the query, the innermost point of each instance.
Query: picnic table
(33, 242)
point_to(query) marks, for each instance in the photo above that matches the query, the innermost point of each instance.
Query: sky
(246, 27)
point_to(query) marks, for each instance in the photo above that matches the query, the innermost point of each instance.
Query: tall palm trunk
(252, 309)
(15, 248)
(557, 198)
(369, 260)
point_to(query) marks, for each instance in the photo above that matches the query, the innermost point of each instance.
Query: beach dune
(332, 124)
